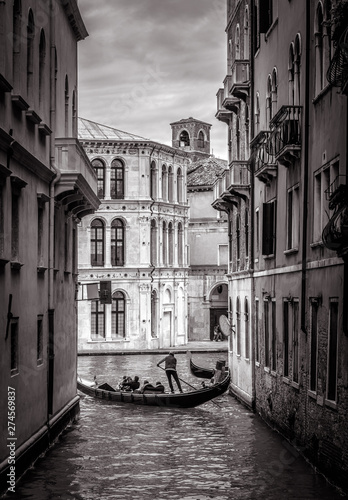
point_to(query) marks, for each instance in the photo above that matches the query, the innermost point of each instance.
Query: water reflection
(135, 452)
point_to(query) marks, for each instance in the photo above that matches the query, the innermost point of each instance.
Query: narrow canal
(126, 452)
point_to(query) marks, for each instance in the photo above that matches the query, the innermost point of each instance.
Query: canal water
(216, 451)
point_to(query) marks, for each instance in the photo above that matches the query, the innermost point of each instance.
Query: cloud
(150, 62)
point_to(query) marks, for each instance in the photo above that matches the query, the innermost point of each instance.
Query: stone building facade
(136, 243)
(232, 197)
(298, 253)
(46, 186)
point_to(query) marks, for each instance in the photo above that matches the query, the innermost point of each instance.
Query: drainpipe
(305, 174)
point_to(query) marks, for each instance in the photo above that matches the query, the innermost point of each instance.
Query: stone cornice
(74, 17)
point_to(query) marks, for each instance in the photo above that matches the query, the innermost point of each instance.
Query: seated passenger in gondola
(146, 386)
(159, 387)
(131, 385)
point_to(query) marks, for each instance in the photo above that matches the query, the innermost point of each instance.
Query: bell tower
(193, 136)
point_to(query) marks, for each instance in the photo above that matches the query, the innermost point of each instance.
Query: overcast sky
(147, 63)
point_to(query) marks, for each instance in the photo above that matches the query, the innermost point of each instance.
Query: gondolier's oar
(192, 387)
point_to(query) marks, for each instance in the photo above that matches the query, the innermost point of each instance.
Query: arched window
(97, 242)
(97, 320)
(117, 180)
(237, 42)
(274, 91)
(179, 186)
(154, 315)
(42, 64)
(170, 184)
(99, 168)
(238, 137)
(170, 244)
(269, 100)
(291, 72)
(327, 36)
(153, 255)
(16, 45)
(297, 69)
(180, 245)
(246, 33)
(164, 243)
(30, 52)
(153, 181)
(184, 139)
(247, 333)
(117, 243)
(200, 142)
(66, 97)
(257, 112)
(74, 114)
(238, 236)
(238, 332)
(164, 183)
(118, 316)
(319, 49)
(246, 227)
(247, 131)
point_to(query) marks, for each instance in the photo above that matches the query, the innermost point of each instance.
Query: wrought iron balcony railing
(284, 142)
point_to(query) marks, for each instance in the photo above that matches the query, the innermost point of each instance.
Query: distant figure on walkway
(217, 333)
(170, 368)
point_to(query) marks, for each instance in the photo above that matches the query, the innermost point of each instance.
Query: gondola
(200, 372)
(182, 400)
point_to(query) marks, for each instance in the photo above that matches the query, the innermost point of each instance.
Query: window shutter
(268, 229)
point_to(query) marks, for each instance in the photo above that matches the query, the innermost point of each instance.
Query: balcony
(335, 233)
(77, 185)
(240, 82)
(239, 179)
(285, 139)
(265, 168)
(226, 103)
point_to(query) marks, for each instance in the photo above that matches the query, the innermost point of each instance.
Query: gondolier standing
(170, 368)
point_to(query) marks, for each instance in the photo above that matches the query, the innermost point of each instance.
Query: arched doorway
(218, 305)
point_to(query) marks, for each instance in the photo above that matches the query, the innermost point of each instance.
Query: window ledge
(107, 341)
(321, 94)
(286, 380)
(312, 395)
(16, 265)
(331, 404)
(271, 28)
(14, 372)
(316, 244)
(3, 262)
(257, 363)
(273, 373)
(290, 251)
(266, 369)
(295, 385)
(269, 257)
(41, 269)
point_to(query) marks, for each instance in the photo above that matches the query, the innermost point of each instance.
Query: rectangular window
(14, 346)
(74, 252)
(39, 346)
(293, 218)
(269, 228)
(247, 333)
(265, 15)
(15, 227)
(320, 203)
(274, 337)
(314, 346)
(266, 326)
(332, 351)
(97, 320)
(257, 332)
(238, 332)
(286, 339)
(295, 333)
(40, 226)
(257, 232)
(222, 255)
